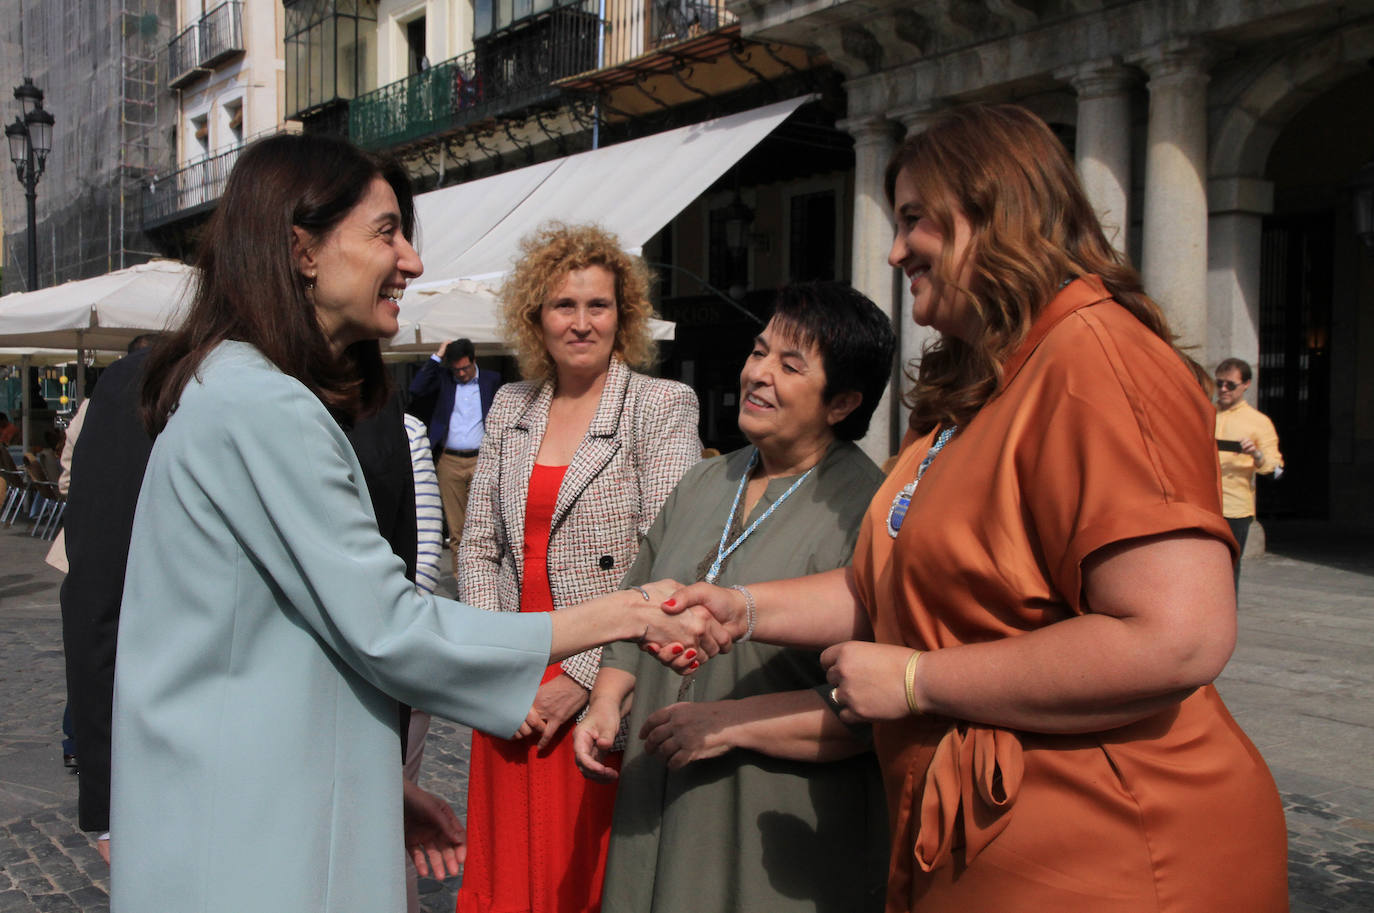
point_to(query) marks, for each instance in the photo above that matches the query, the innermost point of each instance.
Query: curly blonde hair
(550, 253)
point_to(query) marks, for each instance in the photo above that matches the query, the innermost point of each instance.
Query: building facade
(225, 71)
(97, 63)
(1226, 144)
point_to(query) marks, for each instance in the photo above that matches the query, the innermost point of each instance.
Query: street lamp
(30, 139)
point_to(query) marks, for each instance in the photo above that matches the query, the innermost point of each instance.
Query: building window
(494, 15)
(728, 256)
(812, 236)
(331, 52)
(416, 61)
(233, 122)
(199, 146)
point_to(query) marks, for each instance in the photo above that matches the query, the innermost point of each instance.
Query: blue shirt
(465, 427)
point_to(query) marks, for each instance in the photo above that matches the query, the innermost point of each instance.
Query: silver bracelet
(752, 611)
(643, 592)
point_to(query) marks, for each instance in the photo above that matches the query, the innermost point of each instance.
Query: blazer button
(606, 562)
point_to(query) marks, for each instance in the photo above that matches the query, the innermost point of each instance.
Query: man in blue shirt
(462, 397)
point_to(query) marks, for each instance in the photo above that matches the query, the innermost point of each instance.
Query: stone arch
(1254, 120)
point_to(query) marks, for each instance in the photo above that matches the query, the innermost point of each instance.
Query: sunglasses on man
(1227, 385)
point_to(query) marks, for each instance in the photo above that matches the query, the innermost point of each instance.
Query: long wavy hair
(250, 289)
(1032, 228)
(550, 253)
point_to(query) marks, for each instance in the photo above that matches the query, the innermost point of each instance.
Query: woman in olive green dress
(741, 771)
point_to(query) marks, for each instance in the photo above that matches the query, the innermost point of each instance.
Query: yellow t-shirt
(1238, 469)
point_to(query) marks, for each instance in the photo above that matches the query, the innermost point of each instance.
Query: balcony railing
(211, 39)
(221, 33)
(183, 57)
(508, 71)
(671, 21)
(636, 27)
(188, 190)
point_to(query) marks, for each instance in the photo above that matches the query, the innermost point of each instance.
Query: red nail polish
(691, 653)
(670, 602)
(677, 648)
(693, 666)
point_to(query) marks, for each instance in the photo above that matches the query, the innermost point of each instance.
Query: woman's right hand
(722, 610)
(593, 738)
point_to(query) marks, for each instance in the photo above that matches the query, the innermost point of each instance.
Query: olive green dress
(743, 831)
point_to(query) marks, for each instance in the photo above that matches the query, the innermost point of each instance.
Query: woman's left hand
(434, 837)
(557, 701)
(686, 732)
(869, 680)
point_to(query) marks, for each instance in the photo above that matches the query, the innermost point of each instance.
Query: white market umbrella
(103, 312)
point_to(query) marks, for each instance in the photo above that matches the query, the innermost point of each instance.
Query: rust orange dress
(537, 829)
(1100, 434)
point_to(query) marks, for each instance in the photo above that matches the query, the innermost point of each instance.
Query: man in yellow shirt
(1247, 443)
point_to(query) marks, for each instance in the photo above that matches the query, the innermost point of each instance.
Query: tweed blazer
(640, 442)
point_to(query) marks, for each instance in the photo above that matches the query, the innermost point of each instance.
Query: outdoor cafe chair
(16, 488)
(52, 503)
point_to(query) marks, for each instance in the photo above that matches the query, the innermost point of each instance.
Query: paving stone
(14, 902)
(55, 903)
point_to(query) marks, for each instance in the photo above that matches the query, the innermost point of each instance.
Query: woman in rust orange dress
(1041, 593)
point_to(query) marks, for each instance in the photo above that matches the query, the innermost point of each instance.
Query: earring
(310, 283)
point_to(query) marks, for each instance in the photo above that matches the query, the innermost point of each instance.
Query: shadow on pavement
(1319, 542)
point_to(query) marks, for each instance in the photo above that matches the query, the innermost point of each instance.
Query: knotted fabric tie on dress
(976, 770)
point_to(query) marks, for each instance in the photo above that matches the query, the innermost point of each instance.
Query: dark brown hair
(1032, 228)
(1236, 364)
(249, 288)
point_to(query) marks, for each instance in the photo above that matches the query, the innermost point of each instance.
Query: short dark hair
(1236, 364)
(459, 349)
(854, 337)
(142, 341)
(250, 289)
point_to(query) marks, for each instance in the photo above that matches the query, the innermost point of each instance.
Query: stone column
(874, 142)
(1174, 237)
(1238, 206)
(1104, 141)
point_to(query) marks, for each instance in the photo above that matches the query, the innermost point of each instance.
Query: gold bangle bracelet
(911, 683)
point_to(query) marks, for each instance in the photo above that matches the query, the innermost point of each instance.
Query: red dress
(537, 830)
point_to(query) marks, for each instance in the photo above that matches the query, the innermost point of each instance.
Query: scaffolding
(98, 64)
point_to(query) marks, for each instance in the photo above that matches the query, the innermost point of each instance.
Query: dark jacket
(435, 380)
(107, 473)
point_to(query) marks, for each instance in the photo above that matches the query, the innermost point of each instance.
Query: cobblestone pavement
(1301, 683)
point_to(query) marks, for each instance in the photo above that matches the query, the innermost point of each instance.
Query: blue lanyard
(722, 552)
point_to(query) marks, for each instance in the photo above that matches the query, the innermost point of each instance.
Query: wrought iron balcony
(634, 29)
(508, 71)
(189, 190)
(183, 57)
(671, 21)
(211, 39)
(221, 33)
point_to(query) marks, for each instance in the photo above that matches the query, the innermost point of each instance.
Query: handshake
(681, 626)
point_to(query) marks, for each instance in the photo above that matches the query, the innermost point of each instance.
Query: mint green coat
(266, 634)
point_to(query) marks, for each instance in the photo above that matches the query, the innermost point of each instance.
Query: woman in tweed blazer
(577, 310)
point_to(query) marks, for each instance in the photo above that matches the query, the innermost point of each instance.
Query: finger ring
(835, 696)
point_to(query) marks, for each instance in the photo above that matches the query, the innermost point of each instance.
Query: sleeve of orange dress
(1124, 448)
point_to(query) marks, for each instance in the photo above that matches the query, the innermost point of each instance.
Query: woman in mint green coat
(267, 630)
